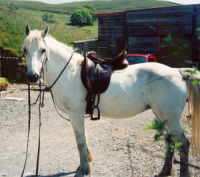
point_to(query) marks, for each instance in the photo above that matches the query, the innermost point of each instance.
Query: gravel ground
(120, 148)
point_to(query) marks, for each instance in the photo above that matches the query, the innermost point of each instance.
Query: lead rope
(41, 104)
(39, 130)
(29, 123)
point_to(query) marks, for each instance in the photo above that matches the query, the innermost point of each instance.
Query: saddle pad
(120, 70)
(80, 62)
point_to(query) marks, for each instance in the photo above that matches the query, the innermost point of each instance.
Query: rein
(41, 104)
(49, 88)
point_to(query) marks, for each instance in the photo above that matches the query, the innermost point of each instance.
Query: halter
(48, 89)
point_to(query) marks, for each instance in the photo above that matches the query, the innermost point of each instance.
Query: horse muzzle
(32, 78)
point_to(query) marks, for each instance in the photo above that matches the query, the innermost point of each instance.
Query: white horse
(140, 87)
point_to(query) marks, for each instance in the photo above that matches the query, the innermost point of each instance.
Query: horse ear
(45, 32)
(27, 30)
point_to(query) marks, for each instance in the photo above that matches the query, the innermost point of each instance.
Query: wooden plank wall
(143, 44)
(153, 28)
(112, 31)
(161, 21)
(197, 34)
(85, 46)
(148, 30)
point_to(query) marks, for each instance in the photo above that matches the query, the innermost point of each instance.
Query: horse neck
(58, 58)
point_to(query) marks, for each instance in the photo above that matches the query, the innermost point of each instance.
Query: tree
(49, 18)
(91, 8)
(83, 15)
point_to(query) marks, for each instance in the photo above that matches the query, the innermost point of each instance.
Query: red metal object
(140, 58)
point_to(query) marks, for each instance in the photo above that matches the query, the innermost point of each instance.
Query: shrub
(83, 15)
(49, 18)
(3, 80)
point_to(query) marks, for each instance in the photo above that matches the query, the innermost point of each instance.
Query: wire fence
(10, 57)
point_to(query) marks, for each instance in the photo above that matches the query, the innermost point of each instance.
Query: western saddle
(95, 75)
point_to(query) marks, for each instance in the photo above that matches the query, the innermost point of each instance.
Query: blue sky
(55, 1)
(186, 1)
(65, 1)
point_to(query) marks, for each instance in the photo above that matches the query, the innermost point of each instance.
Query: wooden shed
(86, 45)
(171, 33)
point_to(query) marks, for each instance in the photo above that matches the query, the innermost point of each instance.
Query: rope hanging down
(41, 104)
(39, 131)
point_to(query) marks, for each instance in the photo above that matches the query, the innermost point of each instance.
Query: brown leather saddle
(95, 75)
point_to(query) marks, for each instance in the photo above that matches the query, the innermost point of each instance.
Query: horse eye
(25, 51)
(43, 50)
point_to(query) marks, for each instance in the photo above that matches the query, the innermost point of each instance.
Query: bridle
(40, 98)
(48, 89)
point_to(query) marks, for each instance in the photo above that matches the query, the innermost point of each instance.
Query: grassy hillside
(12, 30)
(12, 23)
(100, 5)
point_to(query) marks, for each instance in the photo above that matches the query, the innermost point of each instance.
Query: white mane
(58, 44)
(61, 48)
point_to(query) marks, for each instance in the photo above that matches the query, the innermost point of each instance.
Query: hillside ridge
(100, 5)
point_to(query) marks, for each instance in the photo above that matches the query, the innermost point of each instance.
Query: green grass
(12, 30)
(63, 19)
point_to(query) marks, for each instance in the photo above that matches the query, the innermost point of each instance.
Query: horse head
(34, 48)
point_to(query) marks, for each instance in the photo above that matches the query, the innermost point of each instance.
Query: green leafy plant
(194, 71)
(160, 127)
(3, 80)
(175, 45)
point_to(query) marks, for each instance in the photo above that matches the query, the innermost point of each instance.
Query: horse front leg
(77, 121)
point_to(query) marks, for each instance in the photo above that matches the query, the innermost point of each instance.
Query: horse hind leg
(167, 169)
(184, 152)
(173, 125)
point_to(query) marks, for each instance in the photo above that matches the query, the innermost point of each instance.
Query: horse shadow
(55, 175)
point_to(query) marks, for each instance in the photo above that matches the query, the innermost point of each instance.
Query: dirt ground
(120, 148)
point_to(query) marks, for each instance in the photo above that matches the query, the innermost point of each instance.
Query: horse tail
(194, 106)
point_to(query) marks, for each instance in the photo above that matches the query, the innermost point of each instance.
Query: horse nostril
(32, 78)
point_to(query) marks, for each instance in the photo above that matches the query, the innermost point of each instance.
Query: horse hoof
(78, 175)
(78, 168)
(165, 174)
(81, 172)
(186, 174)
